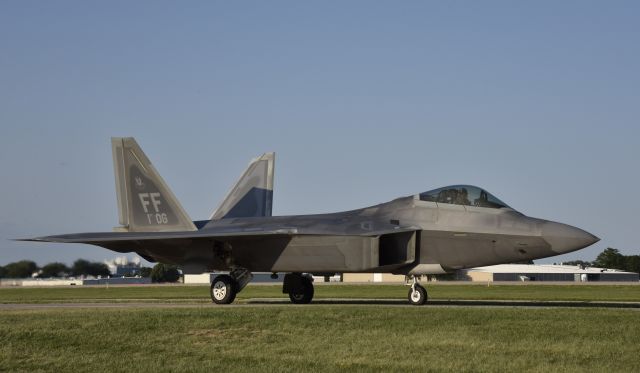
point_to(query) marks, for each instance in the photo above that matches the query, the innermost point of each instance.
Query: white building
(204, 278)
(372, 277)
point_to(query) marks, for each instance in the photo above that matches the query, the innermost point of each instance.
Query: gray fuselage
(432, 238)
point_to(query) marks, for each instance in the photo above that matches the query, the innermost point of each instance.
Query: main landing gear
(299, 287)
(417, 294)
(224, 288)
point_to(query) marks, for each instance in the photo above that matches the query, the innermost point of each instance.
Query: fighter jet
(435, 232)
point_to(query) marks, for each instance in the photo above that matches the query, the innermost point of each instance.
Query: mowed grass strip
(612, 293)
(320, 338)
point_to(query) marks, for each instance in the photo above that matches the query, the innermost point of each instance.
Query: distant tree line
(81, 267)
(27, 268)
(611, 258)
(164, 273)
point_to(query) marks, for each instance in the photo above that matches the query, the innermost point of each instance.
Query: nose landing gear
(417, 293)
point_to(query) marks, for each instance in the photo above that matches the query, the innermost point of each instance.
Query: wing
(132, 241)
(274, 249)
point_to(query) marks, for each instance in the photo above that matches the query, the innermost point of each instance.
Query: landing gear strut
(299, 287)
(417, 294)
(224, 288)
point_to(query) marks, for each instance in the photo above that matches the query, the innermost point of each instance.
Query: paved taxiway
(270, 302)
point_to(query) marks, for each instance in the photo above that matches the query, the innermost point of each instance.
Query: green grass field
(319, 337)
(612, 293)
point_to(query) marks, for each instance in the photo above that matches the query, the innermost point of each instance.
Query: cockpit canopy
(467, 195)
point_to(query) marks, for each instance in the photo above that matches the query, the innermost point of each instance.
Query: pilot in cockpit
(483, 200)
(463, 197)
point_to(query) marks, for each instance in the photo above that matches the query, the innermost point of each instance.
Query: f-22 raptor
(434, 232)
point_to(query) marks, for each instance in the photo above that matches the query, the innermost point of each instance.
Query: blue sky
(537, 102)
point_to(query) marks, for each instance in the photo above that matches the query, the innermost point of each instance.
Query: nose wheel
(417, 293)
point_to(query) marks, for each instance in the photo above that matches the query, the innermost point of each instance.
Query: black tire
(304, 295)
(419, 297)
(223, 289)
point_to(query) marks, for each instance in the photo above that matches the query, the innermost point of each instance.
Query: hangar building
(544, 272)
(500, 272)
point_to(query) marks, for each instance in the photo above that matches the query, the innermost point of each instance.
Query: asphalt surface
(270, 302)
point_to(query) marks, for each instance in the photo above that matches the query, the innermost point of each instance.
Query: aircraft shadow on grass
(463, 303)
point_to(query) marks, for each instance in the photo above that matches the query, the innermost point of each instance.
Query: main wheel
(223, 289)
(417, 295)
(304, 294)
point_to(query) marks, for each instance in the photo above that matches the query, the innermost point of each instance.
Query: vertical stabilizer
(145, 202)
(252, 195)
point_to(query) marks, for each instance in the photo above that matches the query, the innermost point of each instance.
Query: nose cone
(565, 238)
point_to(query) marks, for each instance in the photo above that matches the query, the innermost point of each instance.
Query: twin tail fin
(145, 202)
(252, 195)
